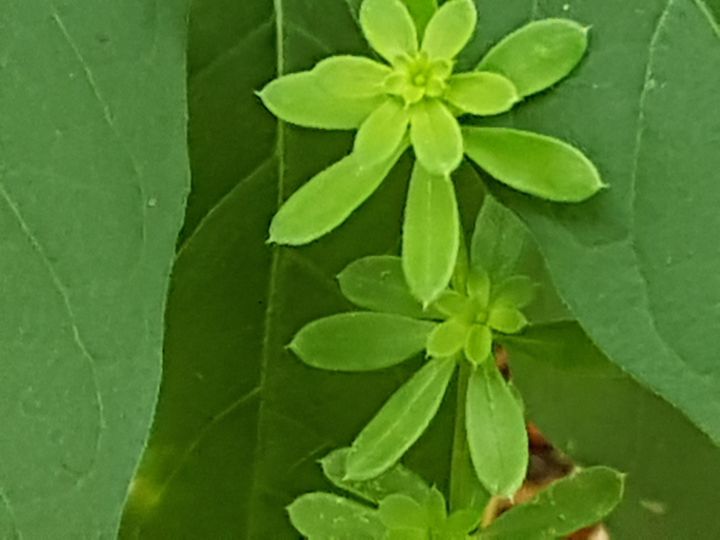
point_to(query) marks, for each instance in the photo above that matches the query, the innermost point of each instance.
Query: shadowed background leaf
(93, 179)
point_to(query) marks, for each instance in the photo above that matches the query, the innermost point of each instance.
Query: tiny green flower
(462, 322)
(412, 97)
(475, 314)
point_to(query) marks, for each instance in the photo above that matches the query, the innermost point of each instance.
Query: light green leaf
(397, 479)
(399, 511)
(378, 283)
(478, 345)
(596, 413)
(496, 431)
(324, 516)
(482, 93)
(533, 163)
(450, 29)
(389, 28)
(447, 338)
(436, 137)
(649, 241)
(360, 341)
(539, 54)
(301, 99)
(463, 522)
(93, 179)
(478, 285)
(499, 241)
(421, 12)
(400, 422)
(382, 133)
(566, 506)
(328, 199)
(451, 303)
(506, 319)
(351, 76)
(515, 291)
(431, 233)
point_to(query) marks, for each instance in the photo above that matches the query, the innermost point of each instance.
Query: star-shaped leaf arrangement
(400, 505)
(413, 97)
(460, 327)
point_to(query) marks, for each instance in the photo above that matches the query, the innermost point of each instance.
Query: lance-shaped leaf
(436, 137)
(563, 508)
(360, 341)
(400, 422)
(533, 163)
(380, 135)
(421, 12)
(539, 54)
(498, 242)
(378, 283)
(450, 29)
(351, 76)
(389, 28)
(321, 516)
(496, 431)
(481, 93)
(430, 234)
(328, 199)
(397, 479)
(301, 99)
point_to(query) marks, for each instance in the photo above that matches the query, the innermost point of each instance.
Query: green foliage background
(93, 177)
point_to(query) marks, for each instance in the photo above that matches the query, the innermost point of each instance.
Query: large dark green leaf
(599, 415)
(635, 264)
(93, 176)
(241, 421)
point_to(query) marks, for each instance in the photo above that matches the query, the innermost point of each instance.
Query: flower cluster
(414, 98)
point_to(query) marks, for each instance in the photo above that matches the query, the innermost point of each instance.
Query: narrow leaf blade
(400, 422)
(533, 163)
(481, 93)
(496, 431)
(397, 479)
(450, 28)
(321, 516)
(566, 506)
(539, 54)
(301, 99)
(430, 234)
(378, 283)
(360, 341)
(389, 28)
(328, 199)
(436, 137)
